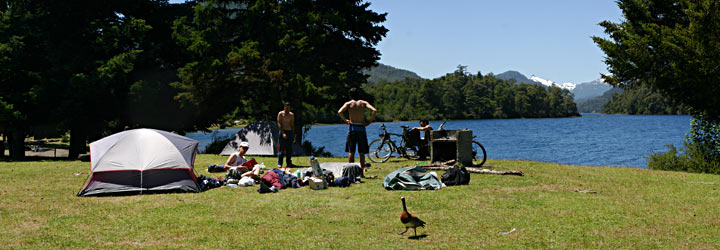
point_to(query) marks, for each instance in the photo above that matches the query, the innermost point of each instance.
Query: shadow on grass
(36, 158)
(417, 237)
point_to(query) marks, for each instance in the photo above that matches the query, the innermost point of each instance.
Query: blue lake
(593, 139)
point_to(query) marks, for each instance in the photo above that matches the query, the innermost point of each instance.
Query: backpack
(207, 182)
(328, 176)
(456, 176)
(216, 168)
(342, 182)
(233, 173)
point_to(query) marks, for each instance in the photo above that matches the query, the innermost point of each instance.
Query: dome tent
(262, 137)
(141, 160)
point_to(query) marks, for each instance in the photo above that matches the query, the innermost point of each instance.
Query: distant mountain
(596, 104)
(588, 90)
(519, 78)
(388, 73)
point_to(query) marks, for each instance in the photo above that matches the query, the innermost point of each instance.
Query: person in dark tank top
(425, 139)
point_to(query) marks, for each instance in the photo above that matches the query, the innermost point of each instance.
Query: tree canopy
(672, 46)
(460, 95)
(96, 67)
(252, 56)
(80, 66)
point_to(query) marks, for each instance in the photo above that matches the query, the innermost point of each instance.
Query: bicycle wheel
(412, 153)
(380, 151)
(479, 155)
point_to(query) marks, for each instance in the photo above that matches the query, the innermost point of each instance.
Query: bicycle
(383, 147)
(479, 154)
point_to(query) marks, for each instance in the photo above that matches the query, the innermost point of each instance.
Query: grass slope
(552, 206)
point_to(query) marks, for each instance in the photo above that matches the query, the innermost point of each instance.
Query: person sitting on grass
(236, 160)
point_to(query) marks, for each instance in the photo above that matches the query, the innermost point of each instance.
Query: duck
(409, 220)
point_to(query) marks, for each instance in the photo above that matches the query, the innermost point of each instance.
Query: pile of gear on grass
(418, 178)
(318, 176)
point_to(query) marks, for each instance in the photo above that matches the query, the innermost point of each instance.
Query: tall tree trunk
(298, 129)
(17, 144)
(78, 139)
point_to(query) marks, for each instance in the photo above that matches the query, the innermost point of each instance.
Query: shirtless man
(286, 123)
(356, 135)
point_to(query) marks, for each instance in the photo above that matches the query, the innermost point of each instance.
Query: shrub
(692, 158)
(701, 153)
(308, 147)
(217, 145)
(65, 137)
(667, 161)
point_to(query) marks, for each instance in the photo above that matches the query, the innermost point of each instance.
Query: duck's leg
(403, 232)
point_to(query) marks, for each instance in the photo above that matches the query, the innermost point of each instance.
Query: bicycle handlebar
(384, 130)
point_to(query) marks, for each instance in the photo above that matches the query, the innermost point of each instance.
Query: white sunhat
(244, 144)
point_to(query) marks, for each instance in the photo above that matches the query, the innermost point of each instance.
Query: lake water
(593, 139)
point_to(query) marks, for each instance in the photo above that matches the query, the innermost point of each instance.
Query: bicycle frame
(388, 146)
(387, 138)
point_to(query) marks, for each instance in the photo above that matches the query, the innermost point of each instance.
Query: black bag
(216, 168)
(412, 138)
(342, 182)
(456, 176)
(328, 176)
(207, 182)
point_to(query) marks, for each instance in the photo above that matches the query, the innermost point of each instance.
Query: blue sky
(549, 39)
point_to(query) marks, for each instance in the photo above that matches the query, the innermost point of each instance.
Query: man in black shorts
(356, 134)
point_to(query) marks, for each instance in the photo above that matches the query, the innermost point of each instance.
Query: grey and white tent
(262, 137)
(141, 160)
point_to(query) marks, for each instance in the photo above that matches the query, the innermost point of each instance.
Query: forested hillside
(517, 76)
(642, 100)
(460, 95)
(635, 101)
(387, 73)
(596, 104)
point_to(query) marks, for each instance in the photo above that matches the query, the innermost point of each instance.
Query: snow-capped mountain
(581, 91)
(566, 85)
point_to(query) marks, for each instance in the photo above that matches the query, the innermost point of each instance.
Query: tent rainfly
(141, 160)
(262, 137)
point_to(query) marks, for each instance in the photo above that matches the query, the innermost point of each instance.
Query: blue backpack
(216, 168)
(342, 182)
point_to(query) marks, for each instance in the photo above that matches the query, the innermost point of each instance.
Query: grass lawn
(552, 206)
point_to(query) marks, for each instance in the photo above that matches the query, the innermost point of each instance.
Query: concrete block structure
(448, 145)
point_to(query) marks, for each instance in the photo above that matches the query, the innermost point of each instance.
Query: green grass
(552, 206)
